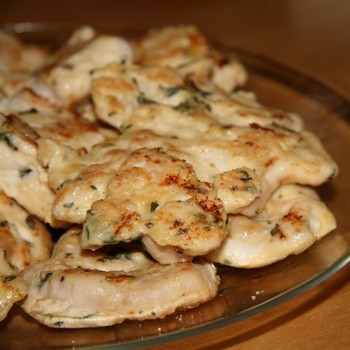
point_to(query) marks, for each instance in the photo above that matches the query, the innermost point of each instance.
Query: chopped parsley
(30, 222)
(68, 205)
(154, 206)
(171, 91)
(44, 279)
(24, 171)
(4, 136)
(142, 100)
(8, 278)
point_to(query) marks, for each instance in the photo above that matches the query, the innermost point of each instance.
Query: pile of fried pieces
(155, 165)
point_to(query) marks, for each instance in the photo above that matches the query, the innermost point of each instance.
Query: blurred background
(312, 35)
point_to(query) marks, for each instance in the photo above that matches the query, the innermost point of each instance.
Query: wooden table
(311, 35)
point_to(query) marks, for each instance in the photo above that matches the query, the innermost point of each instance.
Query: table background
(312, 36)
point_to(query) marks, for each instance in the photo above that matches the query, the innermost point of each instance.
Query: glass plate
(243, 293)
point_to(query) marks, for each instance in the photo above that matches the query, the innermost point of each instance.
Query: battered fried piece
(50, 120)
(12, 287)
(245, 165)
(64, 295)
(16, 56)
(119, 89)
(70, 71)
(184, 48)
(114, 258)
(78, 179)
(157, 195)
(159, 99)
(292, 220)
(25, 239)
(276, 156)
(21, 175)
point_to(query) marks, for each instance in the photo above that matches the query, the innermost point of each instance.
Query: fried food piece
(126, 259)
(245, 165)
(159, 99)
(78, 179)
(157, 195)
(185, 48)
(12, 287)
(292, 220)
(275, 155)
(63, 295)
(17, 56)
(25, 239)
(21, 175)
(70, 70)
(50, 120)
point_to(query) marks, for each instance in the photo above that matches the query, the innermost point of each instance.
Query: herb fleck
(276, 231)
(8, 140)
(30, 222)
(108, 145)
(244, 176)
(250, 189)
(126, 127)
(144, 100)
(227, 262)
(192, 103)
(8, 278)
(24, 171)
(67, 66)
(171, 91)
(154, 206)
(181, 231)
(44, 279)
(87, 233)
(68, 205)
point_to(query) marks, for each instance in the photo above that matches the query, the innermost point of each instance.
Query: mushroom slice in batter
(158, 195)
(63, 295)
(292, 220)
(25, 239)
(185, 48)
(12, 287)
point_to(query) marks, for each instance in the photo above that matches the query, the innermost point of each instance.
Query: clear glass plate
(243, 293)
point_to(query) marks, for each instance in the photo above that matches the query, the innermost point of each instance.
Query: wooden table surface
(311, 35)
